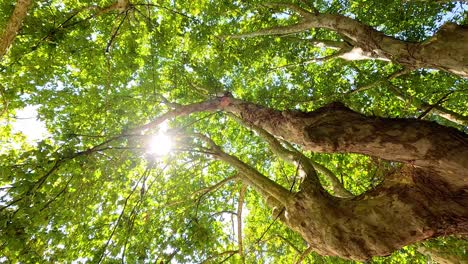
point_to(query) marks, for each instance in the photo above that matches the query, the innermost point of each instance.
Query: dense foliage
(95, 72)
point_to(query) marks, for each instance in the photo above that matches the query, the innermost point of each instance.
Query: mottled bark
(295, 157)
(446, 50)
(335, 128)
(411, 206)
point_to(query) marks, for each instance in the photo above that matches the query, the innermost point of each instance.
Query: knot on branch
(225, 99)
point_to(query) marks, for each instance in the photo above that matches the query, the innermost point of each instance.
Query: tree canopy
(246, 92)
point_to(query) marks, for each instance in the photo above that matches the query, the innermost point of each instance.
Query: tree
(285, 150)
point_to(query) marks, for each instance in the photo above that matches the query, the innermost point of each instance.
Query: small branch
(119, 6)
(143, 176)
(337, 186)
(239, 221)
(337, 54)
(109, 44)
(206, 106)
(170, 10)
(380, 81)
(278, 215)
(311, 6)
(57, 195)
(283, 30)
(429, 109)
(13, 25)
(304, 254)
(437, 108)
(325, 43)
(287, 241)
(205, 191)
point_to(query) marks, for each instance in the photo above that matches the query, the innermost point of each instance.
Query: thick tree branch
(13, 25)
(296, 157)
(259, 181)
(336, 128)
(304, 254)
(348, 27)
(445, 50)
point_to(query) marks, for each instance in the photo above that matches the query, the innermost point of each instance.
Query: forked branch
(259, 181)
(296, 157)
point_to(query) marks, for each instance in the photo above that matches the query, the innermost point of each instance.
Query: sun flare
(160, 144)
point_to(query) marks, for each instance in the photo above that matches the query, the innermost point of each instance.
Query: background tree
(105, 74)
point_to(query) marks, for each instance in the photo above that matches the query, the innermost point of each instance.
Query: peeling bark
(446, 50)
(13, 25)
(412, 206)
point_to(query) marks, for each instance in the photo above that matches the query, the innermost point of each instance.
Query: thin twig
(380, 81)
(304, 254)
(116, 32)
(239, 221)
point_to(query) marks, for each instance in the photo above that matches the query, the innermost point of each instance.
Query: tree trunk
(411, 206)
